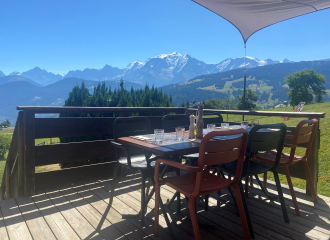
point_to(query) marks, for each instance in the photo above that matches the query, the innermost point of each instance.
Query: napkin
(143, 138)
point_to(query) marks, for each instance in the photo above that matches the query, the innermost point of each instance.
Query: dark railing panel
(12, 183)
(69, 127)
(72, 127)
(156, 122)
(72, 152)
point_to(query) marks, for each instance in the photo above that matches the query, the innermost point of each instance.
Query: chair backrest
(304, 134)
(170, 122)
(131, 126)
(220, 147)
(212, 118)
(265, 138)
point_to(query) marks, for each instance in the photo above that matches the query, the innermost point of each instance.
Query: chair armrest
(179, 165)
(159, 180)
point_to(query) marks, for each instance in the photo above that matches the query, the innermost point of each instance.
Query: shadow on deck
(81, 211)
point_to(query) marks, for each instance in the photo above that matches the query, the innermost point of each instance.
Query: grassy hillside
(266, 81)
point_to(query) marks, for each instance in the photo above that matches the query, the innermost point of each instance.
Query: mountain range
(265, 77)
(161, 70)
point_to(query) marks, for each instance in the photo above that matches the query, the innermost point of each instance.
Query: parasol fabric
(249, 16)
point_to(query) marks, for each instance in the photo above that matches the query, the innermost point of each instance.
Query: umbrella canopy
(249, 16)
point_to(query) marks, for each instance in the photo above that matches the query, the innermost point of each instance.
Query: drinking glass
(254, 123)
(179, 133)
(159, 134)
(210, 127)
(224, 126)
(244, 124)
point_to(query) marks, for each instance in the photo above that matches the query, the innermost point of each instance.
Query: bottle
(195, 132)
(192, 126)
(195, 124)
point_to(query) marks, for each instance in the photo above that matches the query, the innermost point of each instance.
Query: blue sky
(67, 35)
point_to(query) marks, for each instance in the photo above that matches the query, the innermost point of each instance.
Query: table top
(174, 149)
(170, 148)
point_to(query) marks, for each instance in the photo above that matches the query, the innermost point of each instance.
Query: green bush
(4, 145)
(5, 123)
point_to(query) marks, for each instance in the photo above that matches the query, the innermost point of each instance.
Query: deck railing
(20, 178)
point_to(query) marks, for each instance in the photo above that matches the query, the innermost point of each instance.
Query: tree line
(104, 96)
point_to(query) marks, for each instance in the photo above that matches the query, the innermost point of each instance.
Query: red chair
(214, 150)
(304, 134)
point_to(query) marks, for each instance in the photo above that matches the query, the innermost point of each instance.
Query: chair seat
(270, 157)
(138, 161)
(186, 183)
(254, 168)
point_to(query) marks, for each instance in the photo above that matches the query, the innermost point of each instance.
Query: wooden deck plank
(81, 212)
(182, 219)
(55, 220)
(267, 223)
(302, 198)
(230, 221)
(37, 225)
(95, 218)
(317, 216)
(130, 227)
(124, 195)
(271, 209)
(15, 224)
(80, 225)
(262, 225)
(3, 230)
(148, 228)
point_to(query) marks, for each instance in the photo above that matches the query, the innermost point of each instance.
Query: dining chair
(216, 147)
(304, 134)
(212, 118)
(261, 138)
(170, 122)
(134, 159)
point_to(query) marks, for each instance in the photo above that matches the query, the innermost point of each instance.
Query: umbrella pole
(244, 93)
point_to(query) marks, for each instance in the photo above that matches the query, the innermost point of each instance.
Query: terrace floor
(81, 212)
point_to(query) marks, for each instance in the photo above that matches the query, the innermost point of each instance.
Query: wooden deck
(81, 212)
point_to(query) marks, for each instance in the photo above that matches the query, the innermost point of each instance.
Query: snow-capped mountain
(249, 62)
(2, 74)
(160, 70)
(174, 68)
